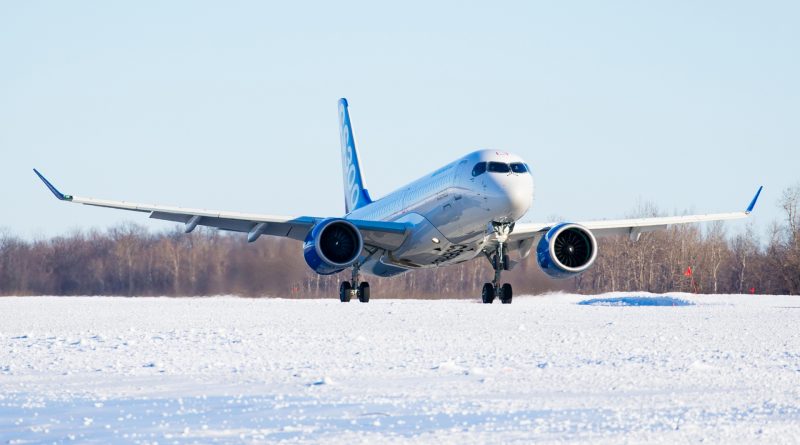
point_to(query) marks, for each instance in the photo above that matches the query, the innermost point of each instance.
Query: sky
(232, 105)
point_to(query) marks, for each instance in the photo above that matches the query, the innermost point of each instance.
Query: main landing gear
(499, 262)
(348, 289)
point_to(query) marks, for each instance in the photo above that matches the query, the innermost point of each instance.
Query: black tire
(363, 292)
(506, 293)
(487, 294)
(344, 291)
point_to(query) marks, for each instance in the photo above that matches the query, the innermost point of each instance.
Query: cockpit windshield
(519, 167)
(499, 167)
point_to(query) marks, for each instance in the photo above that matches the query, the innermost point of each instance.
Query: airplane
(466, 209)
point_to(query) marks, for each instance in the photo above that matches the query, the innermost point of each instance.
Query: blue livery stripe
(52, 188)
(753, 202)
(355, 193)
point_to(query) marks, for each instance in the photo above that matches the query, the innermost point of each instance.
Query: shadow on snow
(636, 301)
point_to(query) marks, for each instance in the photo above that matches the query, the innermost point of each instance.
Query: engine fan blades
(572, 248)
(338, 244)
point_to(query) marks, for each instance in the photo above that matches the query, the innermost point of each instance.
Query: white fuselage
(450, 211)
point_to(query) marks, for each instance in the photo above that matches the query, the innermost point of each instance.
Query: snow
(546, 369)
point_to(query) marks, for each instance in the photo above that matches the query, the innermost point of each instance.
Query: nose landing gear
(500, 263)
(494, 289)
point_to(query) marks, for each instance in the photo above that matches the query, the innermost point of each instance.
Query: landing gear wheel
(344, 291)
(487, 294)
(506, 294)
(363, 292)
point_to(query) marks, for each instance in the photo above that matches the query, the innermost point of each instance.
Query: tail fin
(355, 193)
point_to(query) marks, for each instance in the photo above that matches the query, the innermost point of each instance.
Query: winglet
(52, 188)
(753, 202)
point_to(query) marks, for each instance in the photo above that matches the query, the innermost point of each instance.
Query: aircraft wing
(383, 235)
(632, 227)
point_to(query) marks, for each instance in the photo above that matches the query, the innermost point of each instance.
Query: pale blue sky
(232, 105)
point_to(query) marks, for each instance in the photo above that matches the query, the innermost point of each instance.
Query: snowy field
(621, 368)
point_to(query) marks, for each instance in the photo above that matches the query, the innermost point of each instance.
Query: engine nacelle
(332, 245)
(566, 250)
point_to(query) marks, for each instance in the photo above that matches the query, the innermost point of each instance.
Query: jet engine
(566, 250)
(332, 245)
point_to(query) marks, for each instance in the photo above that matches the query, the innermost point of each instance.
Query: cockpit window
(479, 169)
(499, 167)
(519, 167)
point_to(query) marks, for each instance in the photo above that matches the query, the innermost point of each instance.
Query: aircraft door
(461, 184)
(477, 185)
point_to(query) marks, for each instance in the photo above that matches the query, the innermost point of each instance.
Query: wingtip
(60, 196)
(755, 199)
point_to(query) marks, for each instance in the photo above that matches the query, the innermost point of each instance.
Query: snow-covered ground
(718, 369)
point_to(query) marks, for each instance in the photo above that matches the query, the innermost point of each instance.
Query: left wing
(380, 234)
(525, 233)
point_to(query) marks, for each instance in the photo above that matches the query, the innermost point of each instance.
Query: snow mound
(636, 301)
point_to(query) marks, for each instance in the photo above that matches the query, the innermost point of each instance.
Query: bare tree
(129, 260)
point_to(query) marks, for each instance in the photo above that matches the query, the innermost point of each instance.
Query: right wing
(380, 234)
(525, 235)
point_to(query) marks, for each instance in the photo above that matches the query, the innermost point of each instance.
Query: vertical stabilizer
(355, 193)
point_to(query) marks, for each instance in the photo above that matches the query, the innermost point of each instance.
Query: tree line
(129, 260)
(686, 258)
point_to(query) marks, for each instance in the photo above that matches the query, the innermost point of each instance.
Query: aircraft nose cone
(513, 196)
(520, 198)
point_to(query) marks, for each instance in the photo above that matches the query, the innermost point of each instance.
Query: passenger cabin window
(479, 169)
(499, 167)
(519, 167)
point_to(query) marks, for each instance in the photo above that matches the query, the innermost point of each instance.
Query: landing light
(435, 240)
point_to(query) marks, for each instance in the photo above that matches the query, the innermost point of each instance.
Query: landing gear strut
(348, 289)
(499, 261)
